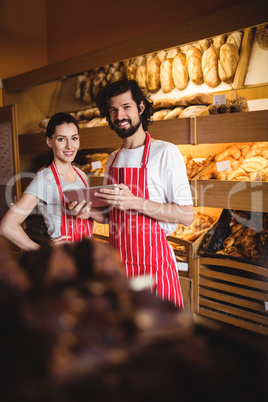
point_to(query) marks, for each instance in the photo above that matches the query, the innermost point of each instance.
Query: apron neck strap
(146, 152)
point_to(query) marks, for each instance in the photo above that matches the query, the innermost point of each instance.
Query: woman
(46, 191)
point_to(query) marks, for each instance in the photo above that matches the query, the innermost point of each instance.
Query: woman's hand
(58, 241)
(81, 210)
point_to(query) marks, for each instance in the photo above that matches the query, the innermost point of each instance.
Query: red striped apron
(140, 240)
(70, 224)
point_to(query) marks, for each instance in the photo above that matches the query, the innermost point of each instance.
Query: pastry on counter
(248, 162)
(247, 240)
(201, 224)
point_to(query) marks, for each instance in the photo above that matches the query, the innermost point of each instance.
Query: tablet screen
(87, 194)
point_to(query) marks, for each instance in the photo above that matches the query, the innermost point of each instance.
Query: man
(154, 193)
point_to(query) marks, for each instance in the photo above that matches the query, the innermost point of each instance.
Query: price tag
(96, 165)
(219, 99)
(266, 306)
(223, 165)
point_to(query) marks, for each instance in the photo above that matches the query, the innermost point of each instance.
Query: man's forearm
(172, 213)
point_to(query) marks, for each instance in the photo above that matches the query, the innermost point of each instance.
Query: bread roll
(166, 78)
(141, 76)
(180, 71)
(174, 114)
(210, 67)
(228, 62)
(235, 38)
(194, 64)
(153, 74)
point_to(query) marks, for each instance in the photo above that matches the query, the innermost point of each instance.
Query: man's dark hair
(120, 87)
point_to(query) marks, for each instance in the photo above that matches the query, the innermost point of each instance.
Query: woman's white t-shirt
(44, 187)
(166, 174)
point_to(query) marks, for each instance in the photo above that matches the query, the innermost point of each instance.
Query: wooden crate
(190, 251)
(232, 292)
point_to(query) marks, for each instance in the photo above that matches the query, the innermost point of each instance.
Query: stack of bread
(202, 223)
(87, 165)
(248, 162)
(246, 240)
(178, 107)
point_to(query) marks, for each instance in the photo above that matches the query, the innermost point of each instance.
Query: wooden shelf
(241, 195)
(232, 127)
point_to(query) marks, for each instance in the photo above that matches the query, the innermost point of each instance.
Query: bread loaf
(160, 114)
(141, 76)
(191, 111)
(166, 78)
(130, 72)
(163, 103)
(218, 41)
(194, 64)
(78, 86)
(180, 71)
(171, 53)
(174, 114)
(200, 99)
(210, 67)
(228, 62)
(86, 91)
(235, 38)
(203, 45)
(153, 74)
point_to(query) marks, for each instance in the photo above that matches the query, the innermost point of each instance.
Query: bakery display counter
(232, 292)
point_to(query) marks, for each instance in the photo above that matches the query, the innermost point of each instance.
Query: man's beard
(123, 132)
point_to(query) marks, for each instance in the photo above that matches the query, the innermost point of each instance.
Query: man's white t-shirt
(166, 174)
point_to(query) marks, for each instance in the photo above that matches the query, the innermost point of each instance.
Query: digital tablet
(87, 194)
